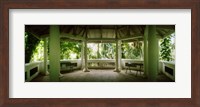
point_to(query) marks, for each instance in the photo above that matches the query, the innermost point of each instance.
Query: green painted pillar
(54, 55)
(85, 57)
(117, 57)
(153, 53)
(45, 72)
(98, 54)
(82, 56)
(146, 51)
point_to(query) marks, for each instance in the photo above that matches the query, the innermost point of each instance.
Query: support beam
(171, 27)
(35, 35)
(117, 58)
(130, 38)
(54, 55)
(101, 39)
(82, 55)
(146, 33)
(98, 54)
(45, 72)
(68, 35)
(85, 57)
(119, 54)
(151, 53)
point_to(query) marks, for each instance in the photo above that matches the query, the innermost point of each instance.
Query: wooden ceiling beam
(172, 27)
(101, 39)
(71, 36)
(35, 35)
(129, 38)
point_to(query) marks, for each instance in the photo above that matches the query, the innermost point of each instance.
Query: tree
(31, 43)
(132, 50)
(166, 49)
(107, 50)
(38, 53)
(67, 49)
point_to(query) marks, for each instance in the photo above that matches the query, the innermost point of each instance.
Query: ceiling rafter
(82, 31)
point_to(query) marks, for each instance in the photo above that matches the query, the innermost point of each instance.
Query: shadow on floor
(99, 75)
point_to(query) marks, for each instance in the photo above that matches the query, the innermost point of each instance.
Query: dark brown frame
(5, 5)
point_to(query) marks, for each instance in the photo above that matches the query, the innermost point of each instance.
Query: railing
(76, 62)
(101, 63)
(168, 68)
(109, 63)
(34, 68)
(124, 61)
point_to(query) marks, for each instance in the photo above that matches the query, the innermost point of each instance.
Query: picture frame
(194, 5)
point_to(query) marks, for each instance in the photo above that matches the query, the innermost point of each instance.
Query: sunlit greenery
(34, 49)
(101, 50)
(132, 50)
(70, 50)
(31, 43)
(167, 48)
(38, 53)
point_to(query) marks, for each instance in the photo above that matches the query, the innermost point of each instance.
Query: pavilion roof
(96, 33)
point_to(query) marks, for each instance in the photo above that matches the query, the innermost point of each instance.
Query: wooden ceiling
(99, 32)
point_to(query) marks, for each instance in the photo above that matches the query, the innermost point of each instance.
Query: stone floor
(99, 75)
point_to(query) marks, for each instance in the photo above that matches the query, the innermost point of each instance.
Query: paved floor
(99, 75)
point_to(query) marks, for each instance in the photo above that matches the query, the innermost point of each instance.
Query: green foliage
(166, 48)
(132, 50)
(70, 50)
(38, 53)
(106, 51)
(92, 53)
(30, 45)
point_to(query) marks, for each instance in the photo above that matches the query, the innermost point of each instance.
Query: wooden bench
(69, 64)
(131, 65)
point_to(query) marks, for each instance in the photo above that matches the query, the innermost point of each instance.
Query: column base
(85, 70)
(117, 70)
(151, 79)
(144, 76)
(45, 74)
(61, 75)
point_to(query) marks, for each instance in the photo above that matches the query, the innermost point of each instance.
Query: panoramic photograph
(99, 53)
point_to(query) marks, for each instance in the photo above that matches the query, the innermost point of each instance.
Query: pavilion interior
(52, 68)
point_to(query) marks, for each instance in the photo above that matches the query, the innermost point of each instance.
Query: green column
(54, 55)
(45, 72)
(82, 56)
(153, 53)
(98, 54)
(117, 57)
(85, 57)
(119, 54)
(146, 50)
